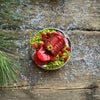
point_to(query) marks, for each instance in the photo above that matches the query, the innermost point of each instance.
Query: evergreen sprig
(9, 67)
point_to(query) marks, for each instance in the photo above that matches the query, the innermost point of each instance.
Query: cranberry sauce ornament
(50, 48)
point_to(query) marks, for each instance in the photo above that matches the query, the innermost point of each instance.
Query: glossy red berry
(62, 50)
(34, 46)
(68, 48)
(44, 39)
(60, 54)
(48, 33)
(43, 35)
(40, 44)
(53, 58)
(66, 58)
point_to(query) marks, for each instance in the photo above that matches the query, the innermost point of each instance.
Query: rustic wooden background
(79, 79)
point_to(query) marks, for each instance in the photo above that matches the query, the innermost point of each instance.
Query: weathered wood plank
(68, 15)
(51, 94)
(79, 79)
(63, 14)
(81, 94)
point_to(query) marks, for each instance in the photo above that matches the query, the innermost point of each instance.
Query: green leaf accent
(38, 37)
(59, 60)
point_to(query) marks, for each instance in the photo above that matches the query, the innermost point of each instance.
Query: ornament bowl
(62, 56)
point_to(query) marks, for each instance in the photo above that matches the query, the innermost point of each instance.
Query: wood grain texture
(63, 14)
(79, 79)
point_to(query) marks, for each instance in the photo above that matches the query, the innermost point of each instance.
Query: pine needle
(9, 67)
(7, 42)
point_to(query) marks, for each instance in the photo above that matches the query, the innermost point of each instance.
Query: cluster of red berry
(51, 58)
(49, 48)
(39, 45)
(62, 51)
(43, 39)
(45, 35)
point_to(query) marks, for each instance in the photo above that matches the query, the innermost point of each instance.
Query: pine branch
(9, 67)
